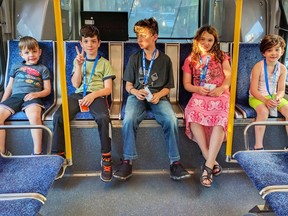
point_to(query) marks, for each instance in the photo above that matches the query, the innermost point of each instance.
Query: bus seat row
(118, 54)
(268, 170)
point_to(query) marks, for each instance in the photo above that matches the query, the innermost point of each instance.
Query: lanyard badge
(273, 79)
(147, 74)
(86, 84)
(203, 69)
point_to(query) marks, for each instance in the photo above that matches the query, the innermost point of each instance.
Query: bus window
(176, 18)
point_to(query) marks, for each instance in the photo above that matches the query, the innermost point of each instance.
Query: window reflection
(176, 18)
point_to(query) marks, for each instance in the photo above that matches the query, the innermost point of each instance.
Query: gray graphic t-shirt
(161, 75)
(28, 78)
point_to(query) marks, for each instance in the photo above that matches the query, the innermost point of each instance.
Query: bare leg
(34, 115)
(284, 112)
(216, 141)
(4, 114)
(262, 115)
(199, 134)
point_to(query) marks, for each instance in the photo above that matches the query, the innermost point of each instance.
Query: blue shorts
(15, 103)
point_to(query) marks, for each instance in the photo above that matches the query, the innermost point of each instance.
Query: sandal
(208, 176)
(217, 169)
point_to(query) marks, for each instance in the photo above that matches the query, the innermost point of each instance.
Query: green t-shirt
(102, 72)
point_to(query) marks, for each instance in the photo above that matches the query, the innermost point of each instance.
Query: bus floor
(232, 194)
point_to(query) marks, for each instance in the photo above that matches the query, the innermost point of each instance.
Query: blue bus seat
(28, 174)
(21, 206)
(249, 55)
(48, 59)
(70, 54)
(129, 49)
(266, 169)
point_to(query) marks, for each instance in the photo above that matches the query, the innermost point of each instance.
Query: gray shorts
(15, 103)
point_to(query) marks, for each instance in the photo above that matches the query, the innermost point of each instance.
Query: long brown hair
(215, 50)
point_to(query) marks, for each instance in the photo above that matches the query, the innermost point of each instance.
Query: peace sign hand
(80, 56)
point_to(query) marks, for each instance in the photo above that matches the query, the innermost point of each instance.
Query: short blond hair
(28, 42)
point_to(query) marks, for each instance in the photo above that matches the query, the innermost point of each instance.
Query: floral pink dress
(206, 110)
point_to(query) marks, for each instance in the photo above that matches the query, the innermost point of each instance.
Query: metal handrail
(267, 123)
(49, 142)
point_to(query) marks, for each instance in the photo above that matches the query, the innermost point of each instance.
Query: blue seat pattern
(267, 169)
(129, 49)
(264, 168)
(249, 55)
(28, 174)
(23, 207)
(70, 53)
(47, 59)
(278, 202)
(184, 96)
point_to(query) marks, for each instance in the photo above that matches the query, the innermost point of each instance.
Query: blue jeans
(135, 112)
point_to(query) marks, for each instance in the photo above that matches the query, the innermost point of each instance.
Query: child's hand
(87, 100)
(271, 103)
(216, 92)
(80, 56)
(202, 90)
(155, 99)
(141, 94)
(30, 96)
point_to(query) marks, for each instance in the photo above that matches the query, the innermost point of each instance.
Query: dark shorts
(15, 103)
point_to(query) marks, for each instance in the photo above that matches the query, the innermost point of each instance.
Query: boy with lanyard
(267, 87)
(149, 77)
(92, 77)
(28, 83)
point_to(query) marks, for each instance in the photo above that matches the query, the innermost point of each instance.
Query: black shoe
(124, 171)
(106, 172)
(177, 172)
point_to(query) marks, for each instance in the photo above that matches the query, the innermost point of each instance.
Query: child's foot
(124, 171)
(6, 154)
(260, 148)
(177, 171)
(106, 172)
(217, 170)
(207, 176)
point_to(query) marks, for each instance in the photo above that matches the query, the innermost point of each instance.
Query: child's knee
(262, 111)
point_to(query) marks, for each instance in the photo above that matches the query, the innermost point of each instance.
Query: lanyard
(267, 80)
(147, 74)
(85, 85)
(203, 70)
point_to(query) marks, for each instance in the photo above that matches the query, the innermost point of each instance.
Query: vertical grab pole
(61, 62)
(237, 27)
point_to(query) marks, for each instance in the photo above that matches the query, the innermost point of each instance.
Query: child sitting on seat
(92, 77)
(29, 82)
(267, 87)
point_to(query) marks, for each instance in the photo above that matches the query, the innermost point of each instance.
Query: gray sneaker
(124, 171)
(177, 172)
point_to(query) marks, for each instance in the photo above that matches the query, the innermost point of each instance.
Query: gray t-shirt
(28, 78)
(161, 75)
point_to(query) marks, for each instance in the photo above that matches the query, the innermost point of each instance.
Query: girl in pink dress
(207, 74)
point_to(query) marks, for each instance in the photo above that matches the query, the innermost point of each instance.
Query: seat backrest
(70, 54)
(129, 49)
(249, 55)
(47, 58)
